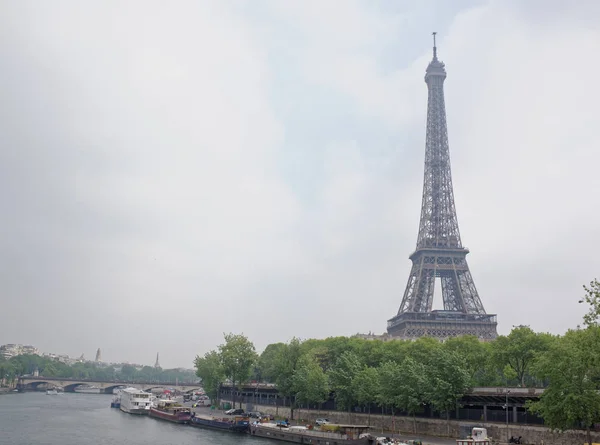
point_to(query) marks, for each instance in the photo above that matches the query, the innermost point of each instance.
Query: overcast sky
(170, 172)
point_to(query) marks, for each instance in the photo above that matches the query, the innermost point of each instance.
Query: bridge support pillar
(515, 416)
(485, 413)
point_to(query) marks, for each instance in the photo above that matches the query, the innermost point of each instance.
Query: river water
(35, 418)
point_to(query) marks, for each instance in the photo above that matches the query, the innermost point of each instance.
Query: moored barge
(338, 434)
(134, 401)
(171, 411)
(235, 424)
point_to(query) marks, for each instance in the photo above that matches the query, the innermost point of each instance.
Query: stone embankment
(531, 435)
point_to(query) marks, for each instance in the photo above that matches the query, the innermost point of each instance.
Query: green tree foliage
(412, 391)
(476, 356)
(389, 382)
(267, 362)
(366, 386)
(286, 363)
(341, 377)
(210, 369)
(592, 298)
(50, 367)
(310, 384)
(237, 358)
(519, 349)
(448, 380)
(572, 366)
(424, 350)
(8, 373)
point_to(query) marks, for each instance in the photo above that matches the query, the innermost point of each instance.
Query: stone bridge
(31, 383)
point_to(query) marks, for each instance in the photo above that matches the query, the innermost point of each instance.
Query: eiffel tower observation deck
(439, 253)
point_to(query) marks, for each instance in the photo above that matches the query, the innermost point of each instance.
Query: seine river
(76, 419)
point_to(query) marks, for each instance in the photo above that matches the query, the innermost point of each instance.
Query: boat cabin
(350, 431)
(478, 437)
(171, 406)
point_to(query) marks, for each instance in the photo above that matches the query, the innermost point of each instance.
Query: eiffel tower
(439, 251)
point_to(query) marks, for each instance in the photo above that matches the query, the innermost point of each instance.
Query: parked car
(234, 412)
(320, 422)
(255, 414)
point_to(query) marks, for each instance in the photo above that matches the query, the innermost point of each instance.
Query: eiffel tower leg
(470, 297)
(451, 292)
(418, 295)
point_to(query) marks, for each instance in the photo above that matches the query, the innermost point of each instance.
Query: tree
(341, 377)
(210, 370)
(366, 387)
(390, 380)
(475, 355)
(571, 400)
(267, 362)
(7, 373)
(373, 353)
(309, 381)
(448, 381)
(519, 349)
(423, 350)
(237, 358)
(592, 297)
(50, 370)
(412, 388)
(128, 372)
(285, 367)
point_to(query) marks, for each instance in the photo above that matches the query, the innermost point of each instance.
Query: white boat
(135, 401)
(86, 389)
(51, 392)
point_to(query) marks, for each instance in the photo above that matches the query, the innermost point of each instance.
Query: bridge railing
(124, 382)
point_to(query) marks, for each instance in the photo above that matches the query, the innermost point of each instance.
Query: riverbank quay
(425, 439)
(422, 428)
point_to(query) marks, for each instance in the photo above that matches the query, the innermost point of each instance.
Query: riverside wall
(533, 435)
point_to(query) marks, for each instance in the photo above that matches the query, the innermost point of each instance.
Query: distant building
(98, 356)
(370, 336)
(12, 350)
(157, 364)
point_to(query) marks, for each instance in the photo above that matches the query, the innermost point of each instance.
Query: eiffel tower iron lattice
(439, 251)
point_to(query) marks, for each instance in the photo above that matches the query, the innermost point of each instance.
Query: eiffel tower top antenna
(434, 47)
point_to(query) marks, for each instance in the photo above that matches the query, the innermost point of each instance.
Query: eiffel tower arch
(439, 253)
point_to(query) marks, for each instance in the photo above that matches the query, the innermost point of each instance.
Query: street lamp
(506, 408)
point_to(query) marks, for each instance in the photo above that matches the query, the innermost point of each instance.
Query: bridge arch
(34, 385)
(110, 389)
(71, 387)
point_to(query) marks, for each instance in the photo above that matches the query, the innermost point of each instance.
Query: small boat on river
(333, 435)
(236, 424)
(51, 392)
(116, 401)
(171, 411)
